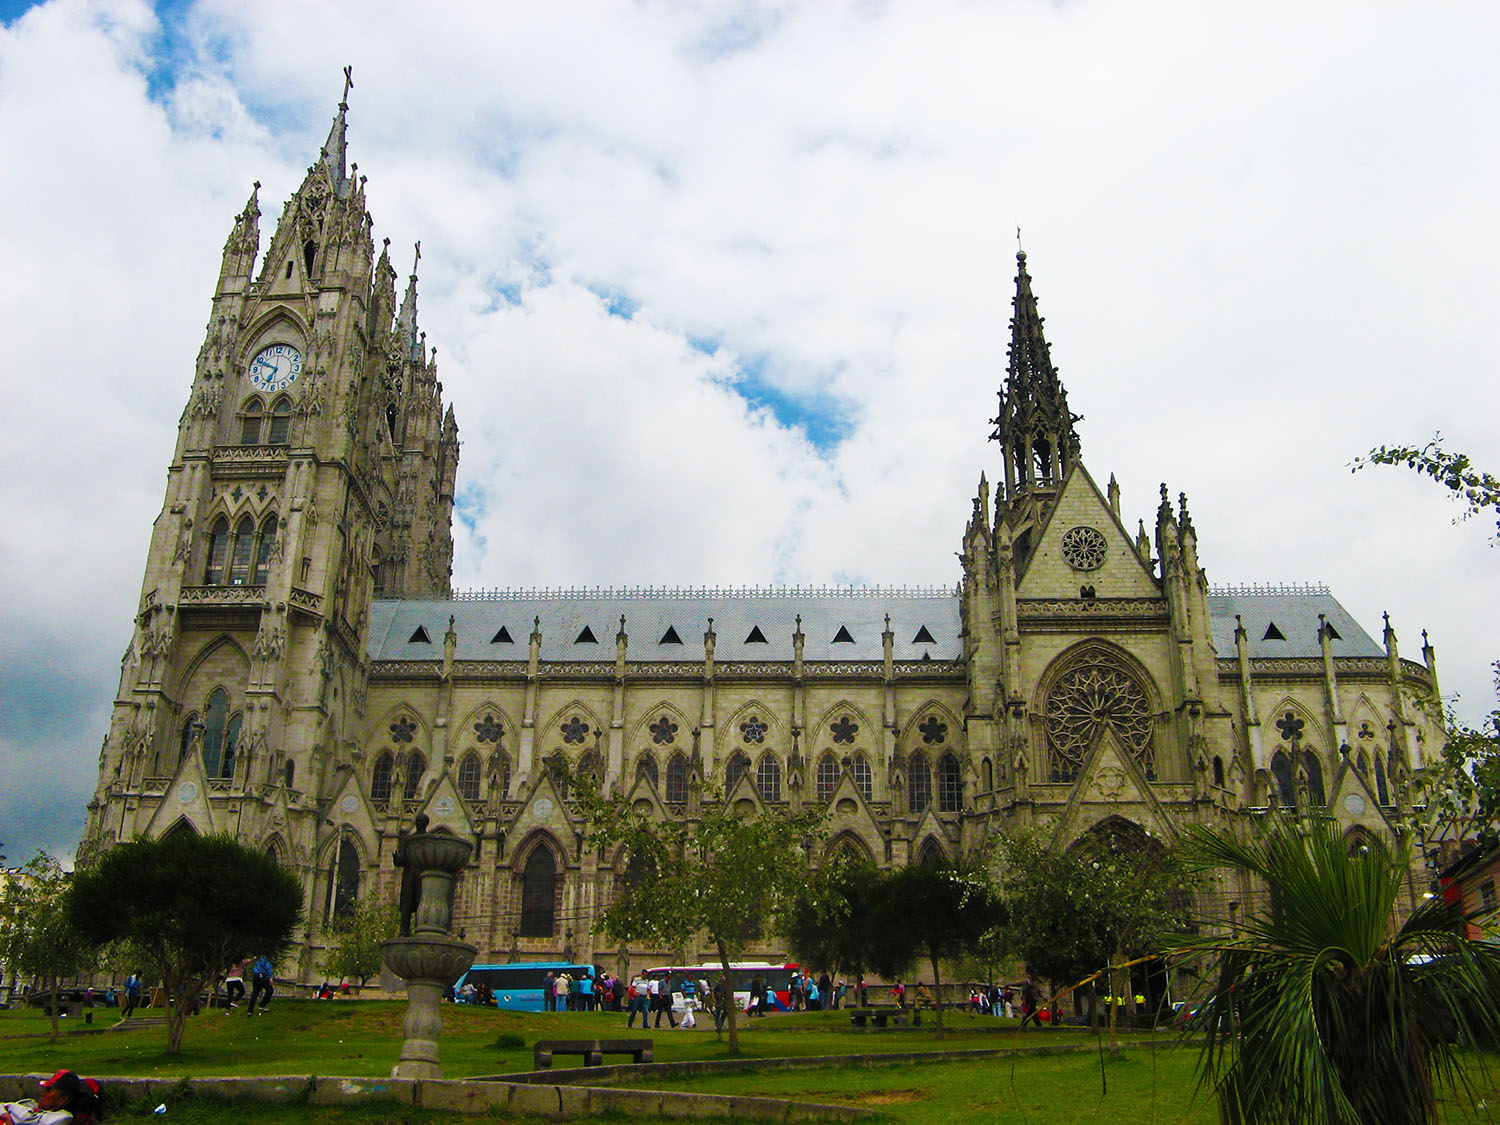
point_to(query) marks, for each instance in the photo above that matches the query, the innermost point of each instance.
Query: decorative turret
(242, 246)
(1034, 426)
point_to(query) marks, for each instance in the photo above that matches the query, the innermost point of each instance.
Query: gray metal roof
(1294, 612)
(738, 612)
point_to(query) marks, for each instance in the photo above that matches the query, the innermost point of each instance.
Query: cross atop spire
(1034, 426)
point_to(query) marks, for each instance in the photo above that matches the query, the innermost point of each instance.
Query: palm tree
(1322, 1009)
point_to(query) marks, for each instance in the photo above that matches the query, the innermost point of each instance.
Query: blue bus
(518, 987)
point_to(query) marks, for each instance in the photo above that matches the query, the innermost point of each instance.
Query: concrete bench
(592, 1050)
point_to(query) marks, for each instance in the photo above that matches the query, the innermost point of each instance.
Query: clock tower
(314, 470)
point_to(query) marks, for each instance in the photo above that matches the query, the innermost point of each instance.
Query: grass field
(1153, 1081)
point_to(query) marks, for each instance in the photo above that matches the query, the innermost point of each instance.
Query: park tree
(37, 937)
(827, 923)
(1459, 798)
(1322, 1010)
(1082, 914)
(190, 906)
(725, 873)
(935, 912)
(354, 951)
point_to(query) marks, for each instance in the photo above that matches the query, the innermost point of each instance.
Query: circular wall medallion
(1354, 803)
(443, 805)
(187, 793)
(544, 807)
(350, 803)
(1083, 548)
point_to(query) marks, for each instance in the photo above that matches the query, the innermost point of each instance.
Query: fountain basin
(428, 958)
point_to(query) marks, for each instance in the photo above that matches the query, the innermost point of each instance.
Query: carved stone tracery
(1094, 692)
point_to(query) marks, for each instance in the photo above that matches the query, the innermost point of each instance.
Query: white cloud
(1259, 253)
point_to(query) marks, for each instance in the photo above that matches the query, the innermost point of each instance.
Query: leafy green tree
(827, 923)
(1322, 1010)
(938, 912)
(1107, 900)
(37, 938)
(1475, 489)
(723, 874)
(191, 906)
(355, 950)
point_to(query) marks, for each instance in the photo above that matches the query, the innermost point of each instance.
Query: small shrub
(509, 1041)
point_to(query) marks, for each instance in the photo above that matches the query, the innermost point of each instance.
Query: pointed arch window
(216, 719)
(380, 779)
(289, 774)
(1281, 771)
(263, 547)
(738, 765)
(280, 428)
(677, 781)
(343, 882)
(218, 553)
(987, 776)
(500, 768)
(539, 894)
(1382, 792)
(859, 769)
(918, 783)
(251, 420)
(828, 776)
(1314, 768)
(188, 729)
(950, 781)
(768, 778)
(1219, 771)
(242, 552)
(931, 854)
(589, 767)
(468, 777)
(416, 766)
(645, 770)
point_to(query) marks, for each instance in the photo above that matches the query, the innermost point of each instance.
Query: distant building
(302, 676)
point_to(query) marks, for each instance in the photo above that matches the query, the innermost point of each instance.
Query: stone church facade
(301, 674)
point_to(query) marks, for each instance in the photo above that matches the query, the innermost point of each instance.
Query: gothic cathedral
(302, 676)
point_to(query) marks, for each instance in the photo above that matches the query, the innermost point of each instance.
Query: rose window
(662, 730)
(488, 729)
(844, 729)
(574, 729)
(1083, 548)
(1096, 692)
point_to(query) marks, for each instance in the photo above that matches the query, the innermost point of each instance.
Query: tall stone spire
(406, 321)
(1034, 426)
(335, 148)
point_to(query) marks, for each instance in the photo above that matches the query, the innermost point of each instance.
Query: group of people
(261, 986)
(562, 993)
(63, 1099)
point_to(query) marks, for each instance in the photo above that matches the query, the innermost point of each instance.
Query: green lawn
(1153, 1081)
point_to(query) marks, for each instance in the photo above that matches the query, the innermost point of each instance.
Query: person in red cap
(60, 1100)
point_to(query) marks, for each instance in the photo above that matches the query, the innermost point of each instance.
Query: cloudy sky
(720, 290)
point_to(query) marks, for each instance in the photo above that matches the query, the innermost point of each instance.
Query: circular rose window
(1083, 548)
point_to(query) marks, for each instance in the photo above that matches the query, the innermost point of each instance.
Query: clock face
(275, 367)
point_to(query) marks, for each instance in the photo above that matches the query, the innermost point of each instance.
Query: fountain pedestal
(429, 960)
(428, 965)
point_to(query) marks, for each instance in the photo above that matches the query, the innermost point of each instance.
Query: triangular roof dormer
(1081, 543)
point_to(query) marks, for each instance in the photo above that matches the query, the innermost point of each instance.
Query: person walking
(1031, 1002)
(132, 994)
(234, 985)
(661, 1001)
(639, 997)
(261, 988)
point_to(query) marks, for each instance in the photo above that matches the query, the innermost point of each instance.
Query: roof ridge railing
(1267, 589)
(603, 593)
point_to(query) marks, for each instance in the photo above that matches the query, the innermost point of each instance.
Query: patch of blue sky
(173, 50)
(733, 29)
(706, 345)
(616, 302)
(12, 10)
(470, 506)
(825, 418)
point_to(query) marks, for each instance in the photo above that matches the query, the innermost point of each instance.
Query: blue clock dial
(275, 367)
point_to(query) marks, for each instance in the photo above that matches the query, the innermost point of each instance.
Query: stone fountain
(425, 956)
